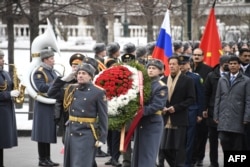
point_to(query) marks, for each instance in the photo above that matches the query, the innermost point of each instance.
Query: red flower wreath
(116, 81)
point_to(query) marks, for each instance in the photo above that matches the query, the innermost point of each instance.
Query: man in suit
(181, 94)
(232, 107)
(201, 128)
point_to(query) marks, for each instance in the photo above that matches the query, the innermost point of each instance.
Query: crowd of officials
(191, 105)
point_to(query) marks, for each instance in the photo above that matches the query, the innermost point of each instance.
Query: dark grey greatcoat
(232, 104)
(8, 131)
(44, 127)
(89, 101)
(149, 130)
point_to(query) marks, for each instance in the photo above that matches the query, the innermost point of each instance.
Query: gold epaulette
(40, 69)
(44, 74)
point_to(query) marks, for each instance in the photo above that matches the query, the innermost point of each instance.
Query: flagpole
(214, 4)
(169, 5)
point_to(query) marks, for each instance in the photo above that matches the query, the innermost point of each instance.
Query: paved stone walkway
(25, 155)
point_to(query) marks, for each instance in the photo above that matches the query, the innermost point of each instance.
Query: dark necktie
(232, 78)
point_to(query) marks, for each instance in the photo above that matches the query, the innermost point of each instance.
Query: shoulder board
(161, 83)
(43, 72)
(40, 69)
(98, 87)
(196, 73)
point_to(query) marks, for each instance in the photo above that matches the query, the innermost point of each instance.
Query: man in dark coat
(210, 90)
(232, 107)
(85, 102)
(150, 127)
(44, 133)
(244, 55)
(201, 128)
(8, 130)
(195, 110)
(181, 94)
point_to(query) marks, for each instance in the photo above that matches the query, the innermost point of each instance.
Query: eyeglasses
(197, 54)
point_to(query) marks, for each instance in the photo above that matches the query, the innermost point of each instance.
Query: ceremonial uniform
(44, 127)
(194, 110)
(86, 103)
(8, 131)
(149, 129)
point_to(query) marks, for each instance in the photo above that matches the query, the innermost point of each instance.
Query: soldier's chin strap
(138, 115)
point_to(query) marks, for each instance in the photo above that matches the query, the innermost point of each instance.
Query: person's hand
(14, 93)
(216, 121)
(171, 109)
(69, 77)
(198, 119)
(204, 114)
(164, 110)
(98, 143)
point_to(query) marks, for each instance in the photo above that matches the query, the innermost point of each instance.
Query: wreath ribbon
(137, 117)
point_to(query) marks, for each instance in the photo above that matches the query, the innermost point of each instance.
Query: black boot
(42, 155)
(47, 153)
(51, 162)
(100, 153)
(44, 162)
(161, 158)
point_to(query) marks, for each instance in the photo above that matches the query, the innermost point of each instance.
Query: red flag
(210, 41)
(163, 48)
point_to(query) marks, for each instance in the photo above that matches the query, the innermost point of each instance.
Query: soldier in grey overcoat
(149, 130)
(44, 127)
(86, 104)
(8, 130)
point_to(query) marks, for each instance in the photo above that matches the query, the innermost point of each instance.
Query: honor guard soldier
(96, 64)
(44, 133)
(141, 55)
(113, 51)
(84, 102)
(60, 115)
(150, 48)
(150, 127)
(100, 54)
(8, 130)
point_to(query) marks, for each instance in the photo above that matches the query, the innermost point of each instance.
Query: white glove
(14, 93)
(69, 77)
(98, 143)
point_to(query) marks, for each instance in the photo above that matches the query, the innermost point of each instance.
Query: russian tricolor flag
(163, 48)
